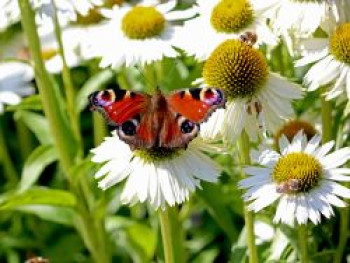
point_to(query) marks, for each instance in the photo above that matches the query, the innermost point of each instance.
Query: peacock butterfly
(168, 121)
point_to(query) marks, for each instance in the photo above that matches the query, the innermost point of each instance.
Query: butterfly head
(100, 99)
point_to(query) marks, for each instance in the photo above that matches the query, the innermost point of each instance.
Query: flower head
(142, 33)
(15, 82)
(332, 57)
(303, 176)
(159, 176)
(220, 20)
(256, 98)
(292, 127)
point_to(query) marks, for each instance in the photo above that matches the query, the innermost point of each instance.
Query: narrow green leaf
(29, 103)
(139, 238)
(81, 169)
(347, 110)
(38, 196)
(41, 157)
(37, 124)
(91, 85)
(56, 214)
(207, 256)
(239, 249)
(211, 194)
(147, 241)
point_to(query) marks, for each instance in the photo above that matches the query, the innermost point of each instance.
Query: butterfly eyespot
(129, 128)
(187, 126)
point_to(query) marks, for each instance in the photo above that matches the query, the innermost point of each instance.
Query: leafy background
(39, 211)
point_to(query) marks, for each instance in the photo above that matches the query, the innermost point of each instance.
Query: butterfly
(167, 121)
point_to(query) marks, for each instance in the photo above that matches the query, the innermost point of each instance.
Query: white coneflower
(9, 13)
(67, 10)
(303, 177)
(160, 176)
(15, 82)
(332, 57)
(220, 20)
(256, 98)
(301, 17)
(137, 35)
(71, 38)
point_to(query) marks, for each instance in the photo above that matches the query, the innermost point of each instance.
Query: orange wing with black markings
(196, 104)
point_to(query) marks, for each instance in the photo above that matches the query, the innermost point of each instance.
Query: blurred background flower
(15, 82)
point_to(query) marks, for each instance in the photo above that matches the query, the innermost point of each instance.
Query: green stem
(150, 79)
(326, 111)
(100, 129)
(243, 146)
(344, 213)
(5, 158)
(88, 227)
(302, 235)
(25, 139)
(51, 106)
(171, 235)
(344, 233)
(68, 83)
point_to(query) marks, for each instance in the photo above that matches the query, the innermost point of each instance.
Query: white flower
(71, 38)
(137, 35)
(67, 10)
(9, 13)
(332, 57)
(15, 82)
(300, 18)
(303, 177)
(263, 232)
(256, 98)
(157, 176)
(220, 20)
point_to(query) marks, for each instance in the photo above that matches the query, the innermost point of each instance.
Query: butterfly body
(168, 121)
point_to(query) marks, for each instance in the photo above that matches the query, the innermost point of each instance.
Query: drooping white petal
(336, 158)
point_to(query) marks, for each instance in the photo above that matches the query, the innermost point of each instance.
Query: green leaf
(146, 241)
(56, 214)
(211, 194)
(81, 169)
(41, 157)
(29, 103)
(91, 85)
(207, 256)
(239, 249)
(139, 239)
(38, 196)
(38, 124)
(347, 110)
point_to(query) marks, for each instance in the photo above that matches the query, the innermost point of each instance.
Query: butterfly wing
(186, 110)
(118, 105)
(196, 104)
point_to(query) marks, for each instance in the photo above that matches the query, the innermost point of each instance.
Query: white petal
(338, 174)
(302, 210)
(264, 201)
(255, 181)
(336, 158)
(9, 97)
(166, 7)
(338, 189)
(323, 150)
(313, 144)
